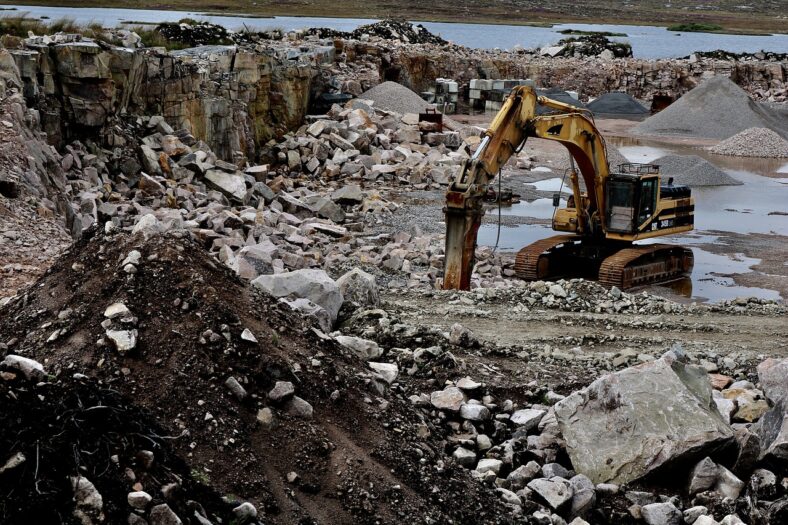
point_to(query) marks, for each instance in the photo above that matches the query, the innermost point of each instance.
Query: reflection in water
(556, 184)
(682, 287)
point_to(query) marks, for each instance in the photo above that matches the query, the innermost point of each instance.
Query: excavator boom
(516, 121)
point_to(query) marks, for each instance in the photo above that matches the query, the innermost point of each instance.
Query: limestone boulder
(359, 288)
(314, 285)
(630, 423)
(363, 348)
(231, 184)
(253, 261)
(310, 310)
(772, 428)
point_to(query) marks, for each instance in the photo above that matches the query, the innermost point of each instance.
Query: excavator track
(533, 262)
(640, 265)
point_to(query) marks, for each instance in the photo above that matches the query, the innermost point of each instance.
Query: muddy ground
(528, 339)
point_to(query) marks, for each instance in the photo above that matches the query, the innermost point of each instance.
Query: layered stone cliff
(234, 99)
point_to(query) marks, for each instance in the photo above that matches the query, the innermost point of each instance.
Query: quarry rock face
(630, 423)
(232, 99)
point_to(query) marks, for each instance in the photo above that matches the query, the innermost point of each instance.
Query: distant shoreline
(742, 23)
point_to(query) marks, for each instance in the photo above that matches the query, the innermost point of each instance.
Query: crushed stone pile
(396, 97)
(717, 108)
(753, 142)
(617, 103)
(692, 170)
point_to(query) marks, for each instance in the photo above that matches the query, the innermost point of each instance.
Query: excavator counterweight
(619, 206)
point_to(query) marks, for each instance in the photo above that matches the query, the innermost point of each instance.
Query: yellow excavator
(618, 206)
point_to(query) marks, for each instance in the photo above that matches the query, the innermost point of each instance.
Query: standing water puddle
(756, 207)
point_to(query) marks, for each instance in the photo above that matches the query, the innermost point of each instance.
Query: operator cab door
(631, 201)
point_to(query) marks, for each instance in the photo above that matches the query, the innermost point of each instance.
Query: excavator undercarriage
(622, 265)
(614, 207)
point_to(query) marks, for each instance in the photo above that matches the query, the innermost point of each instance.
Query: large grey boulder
(661, 514)
(363, 348)
(311, 284)
(232, 185)
(253, 261)
(29, 368)
(307, 308)
(350, 194)
(633, 422)
(772, 428)
(359, 288)
(556, 492)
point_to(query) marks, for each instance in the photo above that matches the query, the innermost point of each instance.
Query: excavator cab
(631, 197)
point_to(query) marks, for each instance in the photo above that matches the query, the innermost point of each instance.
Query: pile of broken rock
(313, 205)
(625, 438)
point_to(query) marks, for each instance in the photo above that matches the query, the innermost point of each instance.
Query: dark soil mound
(617, 103)
(365, 456)
(70, 426)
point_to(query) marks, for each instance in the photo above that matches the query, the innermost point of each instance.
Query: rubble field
(217, 308)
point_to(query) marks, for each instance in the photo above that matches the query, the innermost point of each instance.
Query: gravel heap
(617, 103)
(717, 108)
(691, 170)
(396, 97)
(753, 142)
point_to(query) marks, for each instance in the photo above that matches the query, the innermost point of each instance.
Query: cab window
(648, 200)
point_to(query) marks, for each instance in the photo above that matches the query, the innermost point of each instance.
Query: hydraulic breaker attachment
(462, 226)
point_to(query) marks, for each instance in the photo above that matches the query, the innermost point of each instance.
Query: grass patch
(153, 38)
(694, 27)
(588, 33)
(20, 26)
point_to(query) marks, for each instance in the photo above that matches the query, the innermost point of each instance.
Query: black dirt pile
(343, 448)
(720, 54)
(694, 171)
(387, 29)
(617, 104)
(193, 33)
(717, 109)
(593, 45)
(56, 430)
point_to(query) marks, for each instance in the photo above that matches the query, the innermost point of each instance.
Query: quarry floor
(595, 335)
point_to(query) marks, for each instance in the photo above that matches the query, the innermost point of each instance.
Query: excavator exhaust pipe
(462, 226)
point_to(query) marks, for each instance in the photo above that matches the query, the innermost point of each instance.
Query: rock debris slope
(257, 407)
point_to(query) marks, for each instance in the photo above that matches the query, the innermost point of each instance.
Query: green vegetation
(151, 37)
(20, 26)
(590, 33)
(201, 476)
(694, 27)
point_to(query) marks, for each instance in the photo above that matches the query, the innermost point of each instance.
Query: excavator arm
(516, 121)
